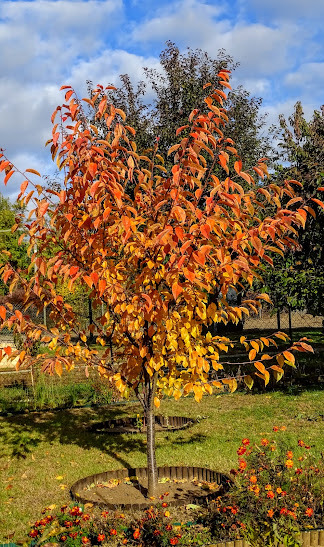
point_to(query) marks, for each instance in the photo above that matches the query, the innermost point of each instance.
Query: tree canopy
(152, 256)
(298, 278)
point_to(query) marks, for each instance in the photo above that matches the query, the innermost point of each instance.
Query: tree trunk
(150, 452)
(152, 475)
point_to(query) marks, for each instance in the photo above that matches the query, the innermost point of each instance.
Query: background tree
(8, 240)
(151, 256)
(298, 278)
(178, 88)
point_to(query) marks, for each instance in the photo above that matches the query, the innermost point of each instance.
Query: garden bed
(138, 425)
(126, 488)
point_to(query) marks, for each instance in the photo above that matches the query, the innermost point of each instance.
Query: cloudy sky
(48, 43)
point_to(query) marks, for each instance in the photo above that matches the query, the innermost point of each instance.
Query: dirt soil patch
(127, 488)
(134, 491)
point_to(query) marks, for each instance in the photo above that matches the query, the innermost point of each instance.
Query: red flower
(270, 513)
(85, 517)
(309, 512)
(245, 442)
(234, 510)
(284, 511)
(63, 538)
(85, 540)
(264, 442)
(275, 428)
(290, 455)
(75, 510)
(113, 532)
(307, 446)
(241, 451)
(174, 541)
(68, 524)
(242, 464)
(105, 514)
(136, 533)
(168, 527)
(101, 537)
(73, 535)
(289, 463)
(298, 471)
(164, 504)
(301, 443)
(253, 479)
(156, 533)
(270, 494)
(33, 533)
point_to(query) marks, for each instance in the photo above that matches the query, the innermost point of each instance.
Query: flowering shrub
(276, 493)
(75, 527)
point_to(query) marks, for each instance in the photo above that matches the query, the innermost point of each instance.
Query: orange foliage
(151, 245)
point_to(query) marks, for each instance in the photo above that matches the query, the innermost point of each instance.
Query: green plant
(277, 493)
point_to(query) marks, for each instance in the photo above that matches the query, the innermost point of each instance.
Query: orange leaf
(176, 290)
(73, 270)
(88, 280)
(23, 186)
(102, 285)
(189, 274)
(33, 171)
(179, 213)
(319, 202)
(94, 276)
(260, 366)
(252, 354)
(289, 356)
(8, 175)
(42, 208)
(205, 230)
(3, 312)
(92, 168)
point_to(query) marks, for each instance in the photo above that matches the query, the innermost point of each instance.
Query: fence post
(290, 326)
(278, 319)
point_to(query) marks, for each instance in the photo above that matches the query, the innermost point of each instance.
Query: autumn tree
(298, 278)
(150, 258)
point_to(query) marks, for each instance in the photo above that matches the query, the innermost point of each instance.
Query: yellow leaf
(156, 402)
(59, 478)
(248, 380)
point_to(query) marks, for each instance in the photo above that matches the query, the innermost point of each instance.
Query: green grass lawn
(42, 454)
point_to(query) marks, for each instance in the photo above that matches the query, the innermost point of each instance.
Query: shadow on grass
(21, 434)
(194, 438)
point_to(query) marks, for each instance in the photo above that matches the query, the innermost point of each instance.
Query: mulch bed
(127, 488)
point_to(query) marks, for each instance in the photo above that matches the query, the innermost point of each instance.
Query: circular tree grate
(126, 488)
(137, 425)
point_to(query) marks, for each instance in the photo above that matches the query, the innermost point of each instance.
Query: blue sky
(48, 43)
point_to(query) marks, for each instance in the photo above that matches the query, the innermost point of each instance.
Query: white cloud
(189, 21)
(259, 48)
(308, 80)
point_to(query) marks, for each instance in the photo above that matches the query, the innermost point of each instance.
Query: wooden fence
(312, 538)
